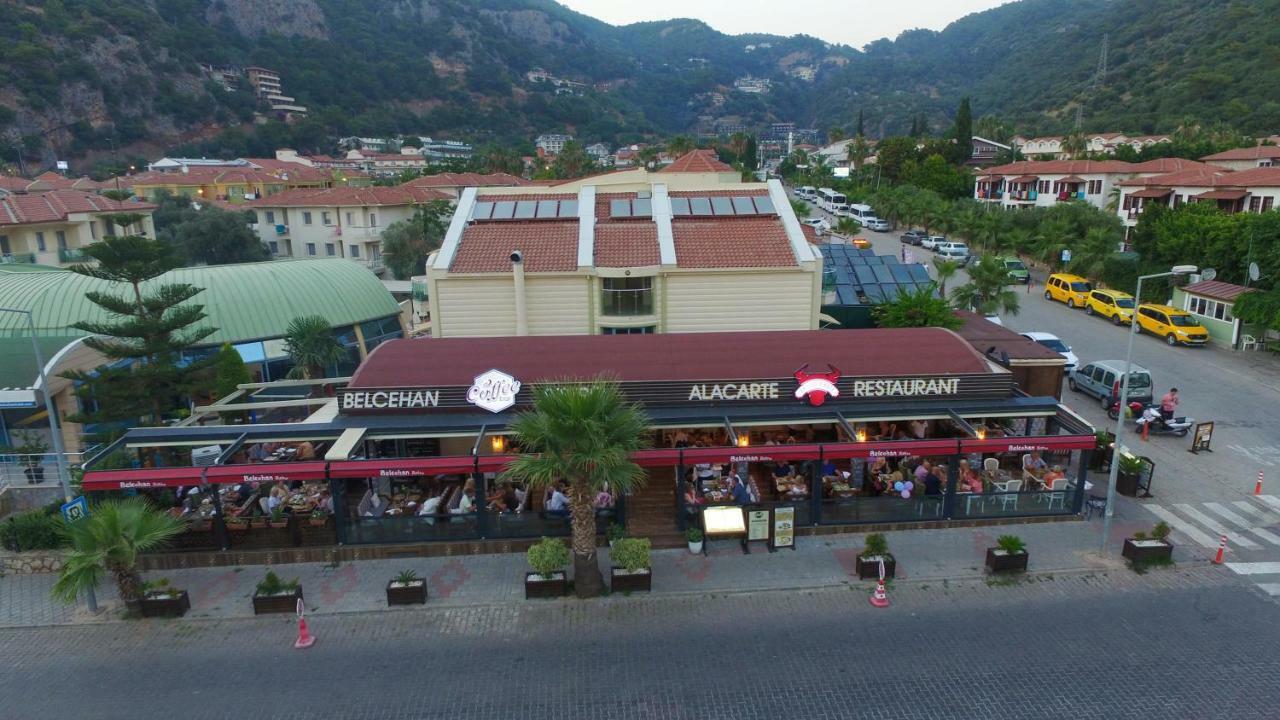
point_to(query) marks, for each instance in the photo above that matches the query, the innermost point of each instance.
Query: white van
(808, 192)
(862, 213)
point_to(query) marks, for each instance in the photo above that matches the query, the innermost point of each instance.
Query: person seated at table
(306, 451)
(681, 439)
(691, 496)
(829, 470)
(968, 478)
(372, 505)
(467, 503)
(1033, 464)
(558, 503)
(324, 501)
(919, 429)
(1054, 473)
(933, 480)
(493, 501)
(921, 471)
(782, 469)
(258, 453)
(431, 505)
(604, 498)
(741, 495)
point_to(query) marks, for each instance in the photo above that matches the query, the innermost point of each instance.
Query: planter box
(237, 527)
(622, 581)
(1146, 551)
(999, 561)
(536, 586)
(317, 522)
(1127, 484)
(280, 524)
(869, 568)
(1101, 458)
(175, 606)
(258, 522)
(414, 593)
(267, 604)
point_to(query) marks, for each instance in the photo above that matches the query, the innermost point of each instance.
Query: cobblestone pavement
(1188, 643)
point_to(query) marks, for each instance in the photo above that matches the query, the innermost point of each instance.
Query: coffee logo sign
(494, 391)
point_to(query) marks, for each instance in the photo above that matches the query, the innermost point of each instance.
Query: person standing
(1169, 403)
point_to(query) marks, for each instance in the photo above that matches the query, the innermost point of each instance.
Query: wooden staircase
(651, 510)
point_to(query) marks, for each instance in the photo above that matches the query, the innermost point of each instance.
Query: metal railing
(27, 258)
(38, 470)
(68, 255)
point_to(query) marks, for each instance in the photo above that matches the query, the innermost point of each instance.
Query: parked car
(993, 319)
(1017, 271)
(913, 237)
(953, 251)
(818, 224)
(1052, 342)
(932, 242)
(1177, 327)
(878, 224)
(1114, 305)
(1099, 377)
(1067, 288)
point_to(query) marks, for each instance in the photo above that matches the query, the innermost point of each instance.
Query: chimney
(522, 311)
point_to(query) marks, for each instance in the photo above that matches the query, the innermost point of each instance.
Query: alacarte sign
(734, 391)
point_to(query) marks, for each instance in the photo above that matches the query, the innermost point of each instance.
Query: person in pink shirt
(1169, 403)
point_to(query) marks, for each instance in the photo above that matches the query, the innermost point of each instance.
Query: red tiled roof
(350, 197)
(1253, 177)
(467, 180)
(914, 352)
(547, 247)
(732, 243)
(499, 197)
(235, 176)
(56, 205)
(1062, 167)
(1235, 194)
(630, 244)
(1218, 290)
(697, 161)
(1193, 177)
(1257, 152)
(1170, 165)
(1152, 193)
(721, 193)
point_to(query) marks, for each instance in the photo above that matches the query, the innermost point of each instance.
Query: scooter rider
(1169, 404)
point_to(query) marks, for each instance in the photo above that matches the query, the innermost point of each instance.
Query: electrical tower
(1099, 79)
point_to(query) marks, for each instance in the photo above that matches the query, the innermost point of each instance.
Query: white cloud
(853, 22)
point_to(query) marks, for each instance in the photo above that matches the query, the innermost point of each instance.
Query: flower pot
(537, 586)
(414, 593)
(165, 604)
(868, 568)
(318, 522)
(280, 524)
(999, 561)
(283, 603)
(621, 580)
(237, 527)
(258, 522)
(695, 547)
(1141, 552)
(1127, 483)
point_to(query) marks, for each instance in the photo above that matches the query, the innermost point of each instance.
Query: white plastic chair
(991, 465)
(1249, 342)
(1011, 488)
(1057, 491)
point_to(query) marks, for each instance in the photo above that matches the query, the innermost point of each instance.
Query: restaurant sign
(734, 391)
(389, 399)
(494, 391)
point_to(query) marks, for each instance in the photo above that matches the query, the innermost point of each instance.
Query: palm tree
(584, 435)
(922, 307)
(109, 541)
(1090, 255)
(946, 270)
(988, 289)
(848, 226)
(310, 343)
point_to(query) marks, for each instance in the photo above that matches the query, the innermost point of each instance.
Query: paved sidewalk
(465, 581)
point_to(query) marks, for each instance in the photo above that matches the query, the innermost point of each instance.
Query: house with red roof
(624, 253)
(1253, 190)
(53, 227)
(1246, 158)
(1043, 183)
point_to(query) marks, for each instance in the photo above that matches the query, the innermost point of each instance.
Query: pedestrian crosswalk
(1250, 525)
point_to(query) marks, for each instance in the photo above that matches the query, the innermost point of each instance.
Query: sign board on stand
(784, 528)
(758, 525)
(77, 509)
(1202, 437)
(724, 521)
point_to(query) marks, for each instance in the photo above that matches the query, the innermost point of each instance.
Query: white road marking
(1270, 501)
(1255, 568)
(1259, 454)
(1271, 589)
(1183, 526)
(1246, 524)
(1256, 512)
(1233, 538)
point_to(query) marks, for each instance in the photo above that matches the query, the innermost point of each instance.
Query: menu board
(1203, 437)
(723, 520)
(757, 525)
(784, 527)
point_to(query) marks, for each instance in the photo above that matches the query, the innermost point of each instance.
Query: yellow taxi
(1177, 327)
(862, 243)
(1067, 288)
(1114, 305)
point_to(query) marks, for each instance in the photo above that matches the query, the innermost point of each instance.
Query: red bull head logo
(817, 386)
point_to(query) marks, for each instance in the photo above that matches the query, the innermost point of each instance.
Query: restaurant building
(851, 429)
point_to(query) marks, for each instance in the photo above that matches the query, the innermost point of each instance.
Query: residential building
(1212, 303)
(601, 153)
(752, 85)
(1048, 147)
(986, 152)
(438, 152)
(176, 164)
(1246, 158)
(372, 144)
(628, 156)
(551, 143)
(452, 184)
(1032, 183)
(807, 73)
(53, 227)
(228, 76)
(627, 252)
(50, 180)
(266, 84)
(381, 164)
(342, 222)
(1254, 190)
(233, 185)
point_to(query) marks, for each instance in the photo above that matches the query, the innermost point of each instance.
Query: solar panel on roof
(865, 275)
(568, 208)
(764, 205)
(900, 273)
(700, 205)
(642, 207)
(680, 207)
(722, 206)
(874, 293)
(548, 208)
(619, 208)
(882, 274)
(918, 273)
(482, 211)
(743, 206)
(504, 210)
(525, 209)
(846, 295)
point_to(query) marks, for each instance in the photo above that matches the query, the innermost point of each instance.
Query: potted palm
(237, 524)
(1127, 474)
(548, 558)
(109, 541)
(875, 549)
(1009, 555)
(614, 533)
(160, 599)
(1148, 549)
(407, 589)
(694, 537)
(278, 518)
(631, 571)
(274, 595)
(1101, 458)
(581, 434)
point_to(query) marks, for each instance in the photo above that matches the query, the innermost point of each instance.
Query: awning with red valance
(1028, 444)
(265, 472)
(402, 467)
(1152, 193)
(143, 478)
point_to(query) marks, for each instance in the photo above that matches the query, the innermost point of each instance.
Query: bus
(832, 201)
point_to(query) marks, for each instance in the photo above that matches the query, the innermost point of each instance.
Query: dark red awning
(402, 467)
(265, 472)
(142, 478)
(1029, 444)
(1152, 193)
(493, 463)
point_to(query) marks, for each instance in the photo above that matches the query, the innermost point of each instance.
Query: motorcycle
(1157, 424)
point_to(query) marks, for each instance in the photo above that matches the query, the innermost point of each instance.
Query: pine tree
(964, 131)
(750, 160)
(144, 379)
(229, 373)
(859, 132)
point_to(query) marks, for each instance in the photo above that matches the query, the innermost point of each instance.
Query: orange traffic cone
(880, 598)
(1146, 429)
(1222, 550)
(305, 638)
(1257, 487)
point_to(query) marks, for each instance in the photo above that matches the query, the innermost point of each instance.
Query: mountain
(85, 76)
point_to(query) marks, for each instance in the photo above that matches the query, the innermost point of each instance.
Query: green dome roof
(250, 301)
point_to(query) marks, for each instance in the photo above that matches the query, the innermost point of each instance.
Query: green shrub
(273, 585)
(1130, 465)
(33, 530)
(631, 553)
(693, 535)
(1011, 544)
(406, 577)
(876, 544)
(615, 532)
(547, 556)
(1161, 531)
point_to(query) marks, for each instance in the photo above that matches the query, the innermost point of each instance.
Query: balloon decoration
(906, 494)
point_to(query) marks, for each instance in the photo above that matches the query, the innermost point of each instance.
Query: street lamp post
(1124, 392)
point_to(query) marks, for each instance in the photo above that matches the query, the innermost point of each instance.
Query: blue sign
(77, 509)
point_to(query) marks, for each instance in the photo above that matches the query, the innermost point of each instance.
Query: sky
(852, 22)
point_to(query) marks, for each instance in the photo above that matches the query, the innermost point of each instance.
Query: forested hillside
(83, 75)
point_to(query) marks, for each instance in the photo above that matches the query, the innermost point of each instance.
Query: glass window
(329, 249)
(641, 330)
(40, 241)
(274, 246)
(311, 248)
(349, 220)
(1124, 302)
(1183, 321)
(626, 296)
(373, 220)
(306, 217)
(1081, 286)
(355, 251)
(271, 217)
(326, 218)
(62, 239)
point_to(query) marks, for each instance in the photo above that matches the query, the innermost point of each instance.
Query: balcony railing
(11, 258)
(627, 302)
(71, 255)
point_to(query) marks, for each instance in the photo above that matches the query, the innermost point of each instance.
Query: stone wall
(30, 563)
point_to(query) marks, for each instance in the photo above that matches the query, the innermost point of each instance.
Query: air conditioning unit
(205, 456)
